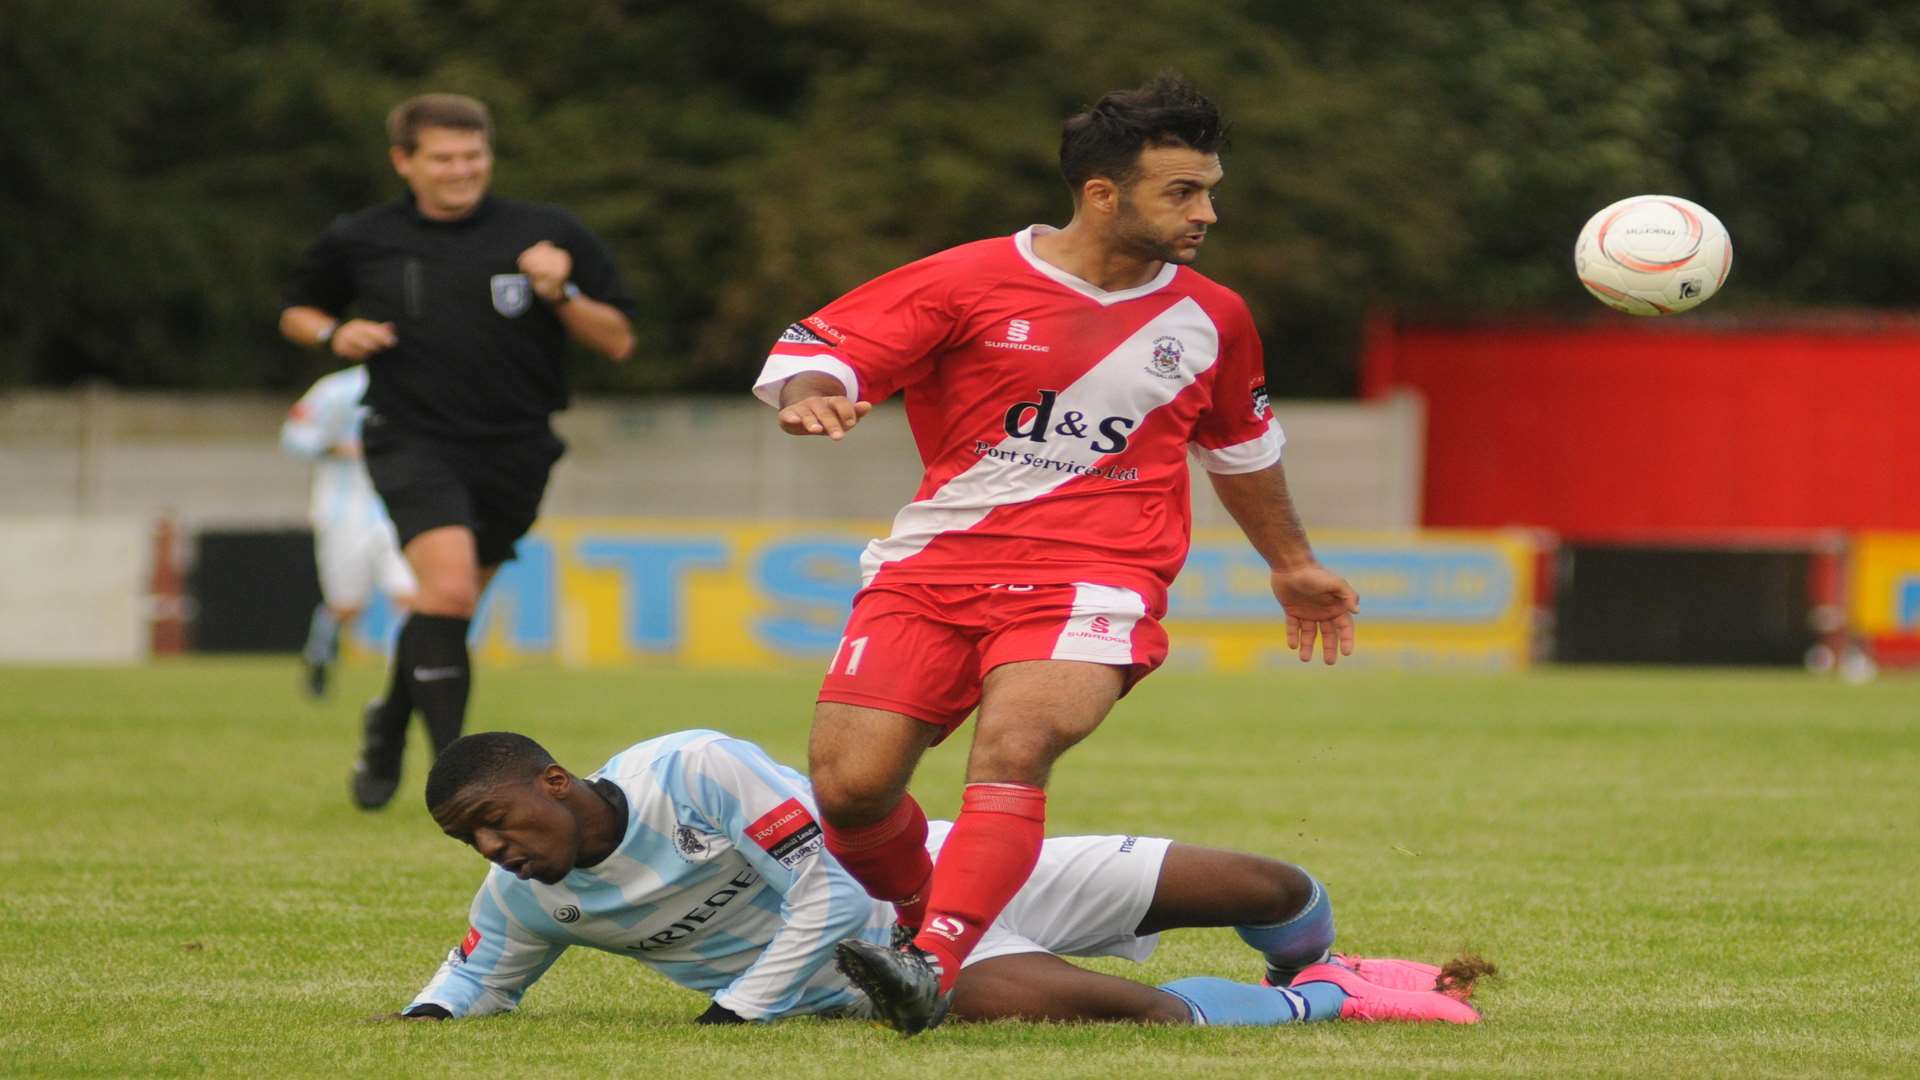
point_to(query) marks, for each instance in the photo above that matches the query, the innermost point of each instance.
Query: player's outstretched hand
(829, 416)
(357, 339)
(1319, 603)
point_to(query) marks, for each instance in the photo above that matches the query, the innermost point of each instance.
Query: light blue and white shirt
(721, 883)
(328, 417)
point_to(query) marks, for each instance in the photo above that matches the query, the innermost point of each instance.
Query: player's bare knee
(849, 799)
(447, 597)
(1287, 889)
(1015, 757)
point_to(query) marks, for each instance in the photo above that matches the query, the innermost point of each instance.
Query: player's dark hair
(436, 110)
(489, 758)
(1107, 139)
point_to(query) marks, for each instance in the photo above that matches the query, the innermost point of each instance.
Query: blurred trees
(165, 160)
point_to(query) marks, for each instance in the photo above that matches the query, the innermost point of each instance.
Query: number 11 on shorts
(854, 650)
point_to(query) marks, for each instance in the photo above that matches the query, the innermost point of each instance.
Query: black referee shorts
(492, 488)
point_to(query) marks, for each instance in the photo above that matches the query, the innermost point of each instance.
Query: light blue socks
(1289, 946)
(1225, 1003)
(1299, 942)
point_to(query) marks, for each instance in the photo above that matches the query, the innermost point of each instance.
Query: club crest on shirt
(1262, 406)
(686, 841)
(512, 294)
(1166, 357)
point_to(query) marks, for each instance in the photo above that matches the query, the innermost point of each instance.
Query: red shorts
(924, 650)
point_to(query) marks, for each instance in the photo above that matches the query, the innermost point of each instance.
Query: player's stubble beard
(1134, 236)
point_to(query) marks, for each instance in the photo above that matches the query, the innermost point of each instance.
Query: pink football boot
(1368, 1001)
(1381, 971)
(1391, 973)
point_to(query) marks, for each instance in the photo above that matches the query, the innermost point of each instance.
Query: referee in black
(461, 305)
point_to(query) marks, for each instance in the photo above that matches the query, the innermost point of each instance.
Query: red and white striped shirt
(1053, 417)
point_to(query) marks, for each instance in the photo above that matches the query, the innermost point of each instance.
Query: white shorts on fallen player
(1086, 897)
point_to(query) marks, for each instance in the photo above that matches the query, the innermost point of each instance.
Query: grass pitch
(1679, 874)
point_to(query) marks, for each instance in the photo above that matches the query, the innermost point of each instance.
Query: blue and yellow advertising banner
(707, 594)
(1884, 584)
(1429, 600)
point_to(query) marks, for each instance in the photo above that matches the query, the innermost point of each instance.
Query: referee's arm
(600, 327)
(354, 339)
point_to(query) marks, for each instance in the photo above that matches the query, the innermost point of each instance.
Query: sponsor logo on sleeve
(824, 328)
(798, 334)
(1262, 407)
(567, 913)
(787, 832)
(466, 947)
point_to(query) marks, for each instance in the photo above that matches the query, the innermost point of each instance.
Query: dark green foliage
(164, 160)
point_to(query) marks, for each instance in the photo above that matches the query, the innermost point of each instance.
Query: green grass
(1680, 874)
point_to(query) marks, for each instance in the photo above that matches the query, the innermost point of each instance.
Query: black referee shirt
(479, 356)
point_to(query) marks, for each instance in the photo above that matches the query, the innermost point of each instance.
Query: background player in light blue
(700, 856)
(354, 544)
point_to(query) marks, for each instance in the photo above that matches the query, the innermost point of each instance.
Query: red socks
(987, 857)
(889, 858)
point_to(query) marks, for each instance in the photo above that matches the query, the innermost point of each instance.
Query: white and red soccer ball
(1653, 255)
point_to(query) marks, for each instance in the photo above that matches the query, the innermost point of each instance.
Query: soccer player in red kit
(1056, 381)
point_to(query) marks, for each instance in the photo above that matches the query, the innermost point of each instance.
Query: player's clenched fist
(547, 268)
(832, 416)
(357, 339)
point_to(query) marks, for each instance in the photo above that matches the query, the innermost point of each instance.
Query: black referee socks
(433, 656)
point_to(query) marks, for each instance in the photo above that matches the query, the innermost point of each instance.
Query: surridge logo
(946, 926)
(1100, 625)
(1018, 331)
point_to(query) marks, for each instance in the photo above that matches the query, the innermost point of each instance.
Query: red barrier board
(1663, 427)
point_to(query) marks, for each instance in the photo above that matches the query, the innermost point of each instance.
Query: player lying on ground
(700, 856)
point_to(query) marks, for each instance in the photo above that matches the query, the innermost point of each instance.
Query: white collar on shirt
(1023, 240)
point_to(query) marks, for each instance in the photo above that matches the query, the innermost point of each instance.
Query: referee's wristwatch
(567, 293)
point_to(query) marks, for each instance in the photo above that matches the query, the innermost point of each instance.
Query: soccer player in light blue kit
(701, 857)
(354, 544)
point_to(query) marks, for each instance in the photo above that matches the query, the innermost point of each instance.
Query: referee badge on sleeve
(512, 294)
